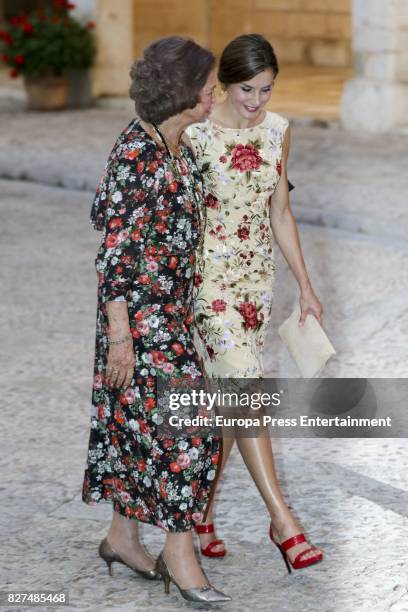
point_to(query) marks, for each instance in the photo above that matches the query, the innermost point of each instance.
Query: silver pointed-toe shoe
(206, 594)
(109, 555)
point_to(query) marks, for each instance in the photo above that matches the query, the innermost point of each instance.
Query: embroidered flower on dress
(249, 313)
(211, 201)
(245, 158)
(218, 306)
(242, 232)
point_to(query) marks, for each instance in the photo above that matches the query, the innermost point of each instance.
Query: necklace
(180, 176)
(162, 138)
(176, 170)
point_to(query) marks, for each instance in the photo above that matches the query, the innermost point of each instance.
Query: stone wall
(303, 31)
(153, 19)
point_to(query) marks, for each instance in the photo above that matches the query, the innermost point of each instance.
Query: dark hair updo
(169, 77)
(245, 57)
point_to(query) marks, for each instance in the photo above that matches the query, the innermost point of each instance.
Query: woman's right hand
(310, 304)
(120, 365)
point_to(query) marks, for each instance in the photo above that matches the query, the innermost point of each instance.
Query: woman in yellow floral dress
(242, 153)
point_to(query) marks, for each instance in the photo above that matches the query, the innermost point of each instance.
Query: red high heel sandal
(298, 562)
(208, 550)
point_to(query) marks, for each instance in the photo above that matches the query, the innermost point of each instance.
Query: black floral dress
(151, 223)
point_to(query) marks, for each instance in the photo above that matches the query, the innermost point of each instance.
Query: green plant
(47, 42)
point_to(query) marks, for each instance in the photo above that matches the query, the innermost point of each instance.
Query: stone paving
(351, 495)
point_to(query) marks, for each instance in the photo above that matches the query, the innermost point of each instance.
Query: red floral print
(147, 258)
(218, 306)
(198, 279)
(218, 232)
(158, 358)
(177, 348)
(245, 158)
(131, 154)
(111, 241)
(242, 168)
(243, 232)
(211, 201)
(249, 313)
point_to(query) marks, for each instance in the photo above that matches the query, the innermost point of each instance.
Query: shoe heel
(166, 580)
(107, 555)
(286, 560)
(161, 568)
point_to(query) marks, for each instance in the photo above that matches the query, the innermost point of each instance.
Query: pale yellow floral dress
(234, 283)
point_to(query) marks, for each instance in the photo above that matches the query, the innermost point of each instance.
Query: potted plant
(45, 47)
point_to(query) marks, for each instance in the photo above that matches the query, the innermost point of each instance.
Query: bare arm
(287, 237)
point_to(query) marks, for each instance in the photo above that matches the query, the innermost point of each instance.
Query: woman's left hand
(309, 304)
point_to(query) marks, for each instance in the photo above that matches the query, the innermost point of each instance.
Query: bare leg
(206, 538)
(258, 457)
(182, 562)
(123, 536)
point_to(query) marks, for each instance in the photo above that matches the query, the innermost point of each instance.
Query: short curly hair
(169, 77)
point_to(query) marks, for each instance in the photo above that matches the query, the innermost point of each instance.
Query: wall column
(376, 99)
(114, 38)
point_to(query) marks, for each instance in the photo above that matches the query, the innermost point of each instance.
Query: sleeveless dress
(150, 218)
(234, 283)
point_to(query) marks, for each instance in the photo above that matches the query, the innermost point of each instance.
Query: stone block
(306, 25)
(156, 20)
(402, 13)
(275, 22)
(290, 25)
(289, 51)
(111, 80)
(379, 40)
(338, 27)
(327, 6)
(375, 107)
(278, 5)
(377, 66)
(226, 20)
(229, 15)
(377, 13)
(330, 53)
(401, 67)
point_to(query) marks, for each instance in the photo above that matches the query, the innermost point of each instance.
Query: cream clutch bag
(309, 346)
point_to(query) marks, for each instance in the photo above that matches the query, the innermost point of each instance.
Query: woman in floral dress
(242, 152)
(148, 206)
